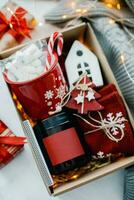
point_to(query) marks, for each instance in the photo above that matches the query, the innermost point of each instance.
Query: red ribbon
(9, 140)
(16, 25)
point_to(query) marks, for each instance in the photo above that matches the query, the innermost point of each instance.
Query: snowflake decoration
(114, 122)
(58, 106)
(79, 98)
(49, 94)
(90, 95)
(100, 154)
(60, 92)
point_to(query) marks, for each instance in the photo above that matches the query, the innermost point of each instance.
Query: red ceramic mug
(42, 94)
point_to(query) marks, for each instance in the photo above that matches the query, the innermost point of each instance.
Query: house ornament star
(90, 95)
(79, 98)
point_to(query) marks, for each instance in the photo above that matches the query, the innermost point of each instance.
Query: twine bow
(83, 87)
(111, 126)
(16, 25)
(9, 140)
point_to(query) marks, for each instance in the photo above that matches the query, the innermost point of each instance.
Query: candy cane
(55, 36)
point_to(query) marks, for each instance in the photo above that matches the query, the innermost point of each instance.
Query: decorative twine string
(103, 125)
(83, 94)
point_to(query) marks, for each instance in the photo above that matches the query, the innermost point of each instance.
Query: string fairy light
(112, 3)
(40, 24)
(73, 4)
(64, 16)
(109, 5)
(80, 10)
(75, 176)
(111, 21)
(118, 6)
(84, 11)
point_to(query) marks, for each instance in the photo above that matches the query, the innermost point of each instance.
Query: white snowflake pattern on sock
(100, 154)
(118, 119)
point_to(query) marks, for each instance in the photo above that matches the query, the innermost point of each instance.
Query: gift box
(84, 34)
(10, 145)
(18, 27)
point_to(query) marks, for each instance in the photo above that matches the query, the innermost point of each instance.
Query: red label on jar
(63, 146)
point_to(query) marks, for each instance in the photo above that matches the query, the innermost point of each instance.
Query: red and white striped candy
(55, 36)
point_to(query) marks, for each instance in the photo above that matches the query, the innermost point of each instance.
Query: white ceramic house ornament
(79, 60)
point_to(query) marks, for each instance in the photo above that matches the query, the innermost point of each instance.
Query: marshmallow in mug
(27, 64)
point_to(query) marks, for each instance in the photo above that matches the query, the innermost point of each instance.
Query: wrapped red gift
(10, 145)
(16, 24)
(109, 131)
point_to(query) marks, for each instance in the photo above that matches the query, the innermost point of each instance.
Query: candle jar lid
(55, 120)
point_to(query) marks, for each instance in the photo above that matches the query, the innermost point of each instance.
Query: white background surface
(20, 180)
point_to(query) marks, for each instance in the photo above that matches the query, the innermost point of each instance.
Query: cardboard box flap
(40, 161)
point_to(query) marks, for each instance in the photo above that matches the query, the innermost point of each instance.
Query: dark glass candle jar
(62, 143)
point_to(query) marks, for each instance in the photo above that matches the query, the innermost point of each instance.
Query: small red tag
(63, 146)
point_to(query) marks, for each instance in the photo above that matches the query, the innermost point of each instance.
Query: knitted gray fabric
(129, 184)
(57, 14)
(130, 3)
(116, 42)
